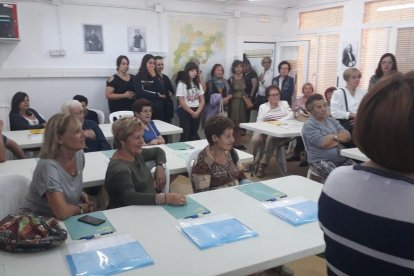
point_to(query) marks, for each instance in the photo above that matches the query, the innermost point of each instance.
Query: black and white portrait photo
(93, 38)
(137, 39)
(349, 55)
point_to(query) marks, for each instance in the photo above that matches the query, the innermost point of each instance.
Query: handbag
(30, 233)
(346, 123)
(248, 102)
(222, 112)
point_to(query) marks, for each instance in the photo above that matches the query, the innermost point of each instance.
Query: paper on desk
(37, 131)
(215, 230)
(106, 256)
(260, 191)
(78, 230)
(179, 146)
(36, 137)
(276, 123)
(192, 209)
(296, 211)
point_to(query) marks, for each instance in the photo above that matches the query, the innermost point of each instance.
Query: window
(390, 10)
(405, 50)
(318, 19)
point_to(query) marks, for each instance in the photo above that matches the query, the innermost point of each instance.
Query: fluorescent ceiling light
(396, 7)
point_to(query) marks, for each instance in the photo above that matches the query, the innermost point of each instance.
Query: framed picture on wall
(349, 54)
(93, 38)
(137, 39)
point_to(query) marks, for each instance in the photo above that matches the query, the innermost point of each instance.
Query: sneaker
(293, 158)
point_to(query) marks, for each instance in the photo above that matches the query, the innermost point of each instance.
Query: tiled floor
(310, 266)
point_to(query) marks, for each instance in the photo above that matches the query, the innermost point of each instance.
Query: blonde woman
(56, 187)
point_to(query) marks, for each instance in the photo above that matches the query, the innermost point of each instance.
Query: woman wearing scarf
(217, 92)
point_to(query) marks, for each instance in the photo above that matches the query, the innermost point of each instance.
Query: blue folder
(192, 210)
(261, 192)
(80, 230)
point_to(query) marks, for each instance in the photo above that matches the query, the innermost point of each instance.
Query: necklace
(222, 161)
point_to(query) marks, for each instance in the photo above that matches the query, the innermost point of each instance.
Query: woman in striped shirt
(273, 110)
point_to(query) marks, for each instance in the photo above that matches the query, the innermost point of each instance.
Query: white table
(96, 163)
(354, 153)
(25, 139)
(173, 254)
(291, 128)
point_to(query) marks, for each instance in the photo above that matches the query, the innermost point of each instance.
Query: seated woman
(56, 187)
(323, 137)
(6, 143)
(217, 164)
(365, 211)
(22, 116)
(328, 96)
(272, 110)
(128, 181)
(142, 109)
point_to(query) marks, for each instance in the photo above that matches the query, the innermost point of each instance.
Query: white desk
(291, 128)
(277, 243)
(25, 139)
(354, 153)
(96, 163)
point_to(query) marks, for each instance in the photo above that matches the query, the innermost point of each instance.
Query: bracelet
(81, 209)
(159, 198)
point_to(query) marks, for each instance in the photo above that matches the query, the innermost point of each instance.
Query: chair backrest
(118, 114)
(13, 189)
(101, 115)
(304, 142)
(192, 157)
(151, 165)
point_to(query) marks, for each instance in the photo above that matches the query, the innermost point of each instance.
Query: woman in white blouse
(273, 110)
(345, 101)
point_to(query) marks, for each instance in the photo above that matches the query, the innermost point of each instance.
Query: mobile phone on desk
(91, 220)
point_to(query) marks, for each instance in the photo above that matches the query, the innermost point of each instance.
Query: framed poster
(93, 38)
(137, 40)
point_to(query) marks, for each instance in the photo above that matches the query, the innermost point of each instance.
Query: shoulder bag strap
(346, 101)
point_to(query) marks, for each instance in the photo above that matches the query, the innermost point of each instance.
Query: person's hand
(261, 76)
(195, 114)
(159, 178)
(352, 117)
(89, 133)
(153, 142)
(152, 72)
(129, 94)
(175, 199)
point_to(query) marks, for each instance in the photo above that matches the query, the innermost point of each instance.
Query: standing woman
(148, 86)
(238, 110)
(119, 88)
(22, 116)
(386, 66)
(190, 95)
(217, 91)
(345, 101)
(285, 82)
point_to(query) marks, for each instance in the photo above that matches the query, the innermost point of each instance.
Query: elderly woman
(386, 66)
(22, 116)
(285, 82)
(94, 137)
(345, 101)
(119, 87)
(273, 110)
(128, 181)
(328, 96)
(217, 164)
(56, 187)
(323, 137)
(217, 94)
(365, 211)
(143, 110)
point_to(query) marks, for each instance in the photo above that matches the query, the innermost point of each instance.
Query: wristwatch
(161, 164)
(336, 138)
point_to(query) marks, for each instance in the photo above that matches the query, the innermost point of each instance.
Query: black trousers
(189, 125)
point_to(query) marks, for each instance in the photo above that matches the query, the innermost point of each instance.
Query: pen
(96, 236)
(198, 215)
(271, 199)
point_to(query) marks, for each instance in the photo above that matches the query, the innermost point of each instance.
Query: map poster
(196, 37)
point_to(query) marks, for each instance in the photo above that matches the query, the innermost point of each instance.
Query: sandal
(260, 171)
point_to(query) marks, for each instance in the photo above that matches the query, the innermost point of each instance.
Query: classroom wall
(45, 25)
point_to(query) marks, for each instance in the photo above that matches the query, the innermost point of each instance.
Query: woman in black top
(148, 86)
(22, 116)
(119, 88)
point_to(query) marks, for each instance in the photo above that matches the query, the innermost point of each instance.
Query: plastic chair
(151, 165)
(118, 114)
(192, 157)
(101, 115)
(310, 171)
(13, 189)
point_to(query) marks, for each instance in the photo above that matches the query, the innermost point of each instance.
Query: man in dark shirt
(165, 80)
(89, 114)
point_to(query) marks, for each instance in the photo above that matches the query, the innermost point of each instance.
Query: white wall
(49, 81)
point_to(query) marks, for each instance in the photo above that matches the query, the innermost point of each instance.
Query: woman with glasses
(345, 101)
(142, 109)
(386, 65)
